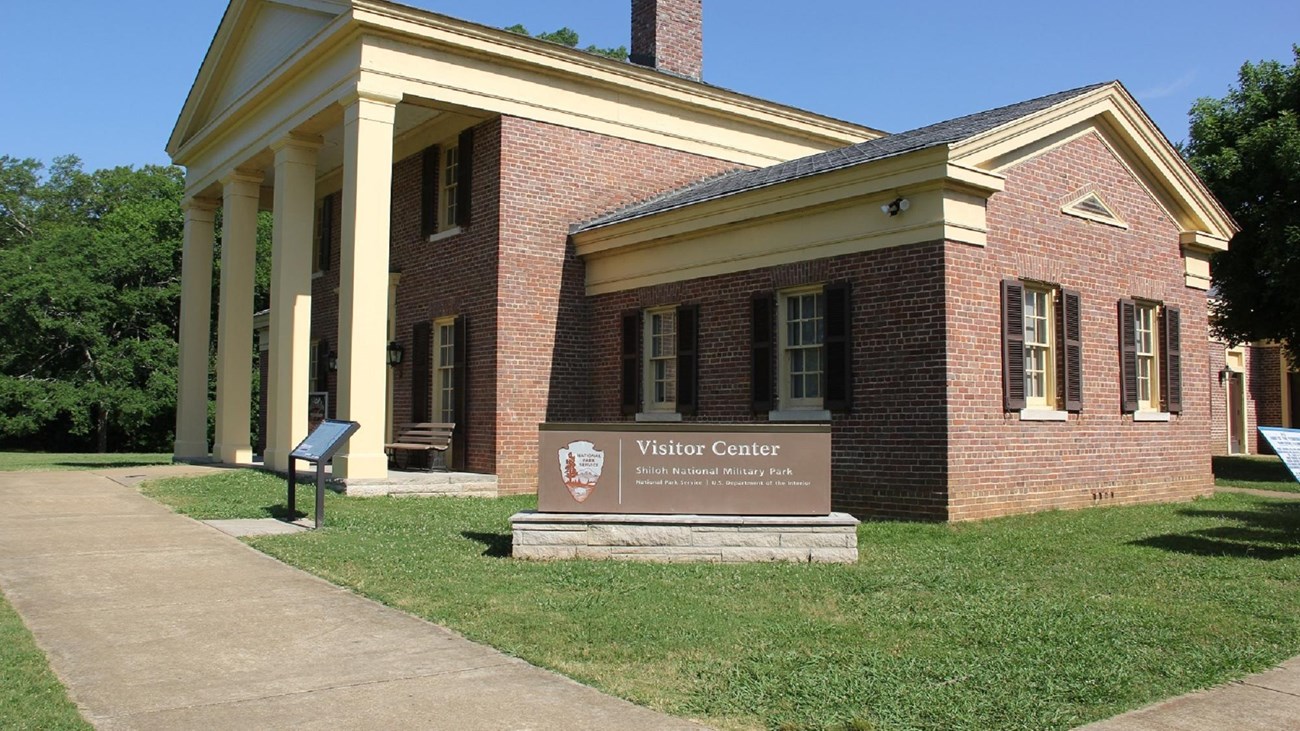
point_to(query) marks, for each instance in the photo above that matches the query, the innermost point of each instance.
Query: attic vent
(1093, 208)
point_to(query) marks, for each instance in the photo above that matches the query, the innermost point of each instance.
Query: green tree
(1246, 147)
(567, 36)
(88, 310)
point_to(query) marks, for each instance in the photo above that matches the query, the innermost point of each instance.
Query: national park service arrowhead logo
(580, 466)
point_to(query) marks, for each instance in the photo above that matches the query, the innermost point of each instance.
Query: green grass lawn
(44, 461)
(1037, 622)
(31, 698)
(1259, 472)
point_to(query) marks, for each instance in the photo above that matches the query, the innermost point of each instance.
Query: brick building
(999, 313)
(1251, 385)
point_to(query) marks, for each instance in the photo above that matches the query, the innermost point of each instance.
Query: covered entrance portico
(290, 160)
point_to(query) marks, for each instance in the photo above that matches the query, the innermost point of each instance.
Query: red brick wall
(1219, 398)
(551, 178)
(456, 275)
(669, 34)
(888, 452)
(452, 276)
(513, 275)
(928, 436)
(999, 464)
(1264, 390)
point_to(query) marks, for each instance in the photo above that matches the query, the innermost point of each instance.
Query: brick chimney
(669, 35)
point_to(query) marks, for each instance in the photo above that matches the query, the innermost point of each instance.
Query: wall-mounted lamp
(896, 206)
(332, 360)
(395, 352)
(1224, 373)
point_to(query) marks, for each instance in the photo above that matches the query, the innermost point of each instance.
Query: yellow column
(195, 331)
(240, 196)
(291, 248)
(363, 281)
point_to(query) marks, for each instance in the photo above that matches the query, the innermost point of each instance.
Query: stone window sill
(1044, 415)
(444, 234)
(1150, 416)
(799, 415)
(653, 416)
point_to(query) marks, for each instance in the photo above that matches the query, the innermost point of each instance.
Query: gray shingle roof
(942, 133)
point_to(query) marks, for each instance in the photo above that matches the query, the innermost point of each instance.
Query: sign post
(319, 448)
(1286, 442)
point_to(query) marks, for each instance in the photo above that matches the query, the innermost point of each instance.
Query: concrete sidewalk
(1269, 701)
(156, 621)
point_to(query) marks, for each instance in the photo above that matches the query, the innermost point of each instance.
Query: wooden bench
(430, 439)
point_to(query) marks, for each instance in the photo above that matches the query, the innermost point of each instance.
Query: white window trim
(1150, 416)
(647, 372)
(789, 409)
(1048, 402)
(1156, 384)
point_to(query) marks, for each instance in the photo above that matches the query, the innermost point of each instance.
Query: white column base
(233, 455)
(191, 452)
(361, 466)
(276, 459)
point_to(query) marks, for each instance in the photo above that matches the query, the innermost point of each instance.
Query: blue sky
(106, 79)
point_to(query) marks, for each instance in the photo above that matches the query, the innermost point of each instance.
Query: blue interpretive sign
(1286, 442)
(318, 447)
(322, 443)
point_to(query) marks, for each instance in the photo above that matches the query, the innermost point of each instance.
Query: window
(313, 365)
(439, 379)
(447, 193)
(1042, 362)
(446, 181)
(660, 339)
(800, 352)
(1039, 341)
(444, 383)
(1147, 379)
(324, 234)
(659, 362)
(1151, 379)
(803, 332)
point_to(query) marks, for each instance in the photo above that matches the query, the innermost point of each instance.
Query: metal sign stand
(319, 448)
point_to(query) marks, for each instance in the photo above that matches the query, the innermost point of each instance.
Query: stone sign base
(685, 538)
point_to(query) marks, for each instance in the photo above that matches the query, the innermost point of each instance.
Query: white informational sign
(1286, 442)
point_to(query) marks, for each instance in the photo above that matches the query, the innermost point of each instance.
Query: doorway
(1236, 413)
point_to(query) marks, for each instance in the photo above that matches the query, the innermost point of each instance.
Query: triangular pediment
(254, 38)
(1112, 113)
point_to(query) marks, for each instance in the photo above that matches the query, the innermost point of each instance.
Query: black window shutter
(631, 358)
(464, 177)
(1071, 342)
(322, 366)
(688, 359)
(326, 232)
(838, 347)
(460, 391)
(429, 166)
(1128, 380)
(1013, 344)
(421, 378)
(1171, 359)
(760, 352)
